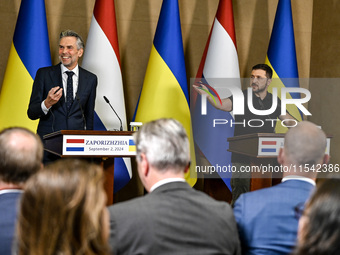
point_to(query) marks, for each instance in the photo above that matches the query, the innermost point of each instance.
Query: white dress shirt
(64, 76)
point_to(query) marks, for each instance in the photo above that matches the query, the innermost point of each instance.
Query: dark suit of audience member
(21, 154)
(9, 209)
(173, 218)
(63, 96)
(266, 218)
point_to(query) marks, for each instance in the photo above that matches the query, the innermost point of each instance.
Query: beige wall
(325, 90)
(137, 20)
(316, 25)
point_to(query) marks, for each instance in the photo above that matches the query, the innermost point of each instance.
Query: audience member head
(63, 211)
(162, 151)
(305, 145)
(319, 227)
(21, 153)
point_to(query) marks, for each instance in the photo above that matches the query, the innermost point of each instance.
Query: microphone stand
(107, 101)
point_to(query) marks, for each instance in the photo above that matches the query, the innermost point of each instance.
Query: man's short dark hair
(266, 68)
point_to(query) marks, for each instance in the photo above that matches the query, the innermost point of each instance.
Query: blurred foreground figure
(319, 226)
(173, 218)
(21, 153)
(63, 211)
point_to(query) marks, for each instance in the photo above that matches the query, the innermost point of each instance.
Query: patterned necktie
(69, 90)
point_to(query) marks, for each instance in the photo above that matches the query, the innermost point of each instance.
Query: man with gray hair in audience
(267, 219)
(21, 153)
(172, 218)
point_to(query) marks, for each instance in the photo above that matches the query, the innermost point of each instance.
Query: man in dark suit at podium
(21, 153)
(260, 79)
(63, 96)
(266, 218)
(173, 218)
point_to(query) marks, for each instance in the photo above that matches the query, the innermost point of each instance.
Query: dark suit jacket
(8, 217)
(173, 219)
(266, 218)
(57, 118)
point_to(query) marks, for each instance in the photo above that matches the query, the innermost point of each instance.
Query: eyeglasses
(299, 209)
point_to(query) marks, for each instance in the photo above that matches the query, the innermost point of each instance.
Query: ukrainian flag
(165, 90)
(281, 57)
(30, 50)
(132, 145)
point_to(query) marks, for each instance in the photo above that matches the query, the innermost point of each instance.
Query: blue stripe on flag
(97, 123)
(74, 148)
(31, 36)
(281, 50)
(121, 177)
(169, 44)
(212, 145)
(268, 150)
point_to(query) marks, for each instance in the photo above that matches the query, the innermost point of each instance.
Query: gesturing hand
(200, 88)
(53, 96)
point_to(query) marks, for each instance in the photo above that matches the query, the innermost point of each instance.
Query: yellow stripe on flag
(162, 97)
(292, 109)
(14, 103)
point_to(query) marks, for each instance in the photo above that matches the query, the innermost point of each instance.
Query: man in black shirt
(260, 79)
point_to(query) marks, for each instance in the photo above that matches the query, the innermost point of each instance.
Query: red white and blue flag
(270, 146)
(102, 58)
(75, 144)
(219, 67)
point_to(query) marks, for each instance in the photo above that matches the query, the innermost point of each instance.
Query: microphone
(81, 109)
(107, 101)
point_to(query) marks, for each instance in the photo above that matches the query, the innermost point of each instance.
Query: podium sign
(90, 143)
(98, 145)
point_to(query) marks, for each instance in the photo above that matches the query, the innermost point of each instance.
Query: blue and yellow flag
(281, 57)
(29, 51)
(165, 90)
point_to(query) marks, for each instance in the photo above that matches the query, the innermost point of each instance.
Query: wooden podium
(262, 149)
(103, 145)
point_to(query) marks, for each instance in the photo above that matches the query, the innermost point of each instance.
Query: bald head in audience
(304, 146)
(21, 153)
